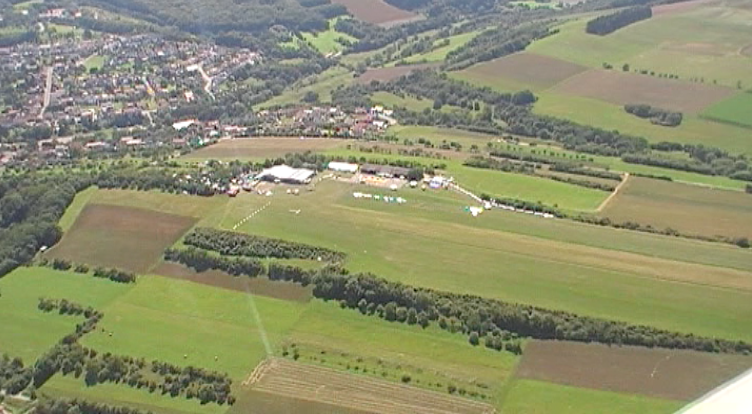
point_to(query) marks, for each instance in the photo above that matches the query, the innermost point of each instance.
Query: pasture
(521, 71)
(736, 110)
(94, 62)
(321, 84)
(391, 100)
(693, 130)
(621, 88)
(377, 12)
(261, 148)
(122, 237)
(659, 373)
(28, 332)
(308, 382)
(537, 397)
(689, 209)
(577, 278)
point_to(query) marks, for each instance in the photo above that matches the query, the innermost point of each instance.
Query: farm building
(384, 170)
(286, 174)
(343, 167)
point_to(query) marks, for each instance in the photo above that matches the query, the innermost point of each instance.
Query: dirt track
(671, 374)
(290, 379)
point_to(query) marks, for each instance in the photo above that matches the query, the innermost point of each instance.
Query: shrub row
(200, 261)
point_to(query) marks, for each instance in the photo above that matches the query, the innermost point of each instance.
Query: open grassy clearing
(689, 209)
(376, 11)
(322, 84)
(109, 393)
(177, 204)
(262, 148)
(659, 373)
(75, 208)
(439, 54)
(283, 377)
(628, 88)
(693, 129)
(537, 397)
(736, 110)
(94, 61)
(436, 135)
(122, 237)
(520, 71)
(28, 332)
(550, 274)
(328, 41)
(26, 4)
(166, 319)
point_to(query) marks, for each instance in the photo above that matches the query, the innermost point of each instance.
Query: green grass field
(28, 332)
(328, 41)
(693, 129)
(391, 100)
(507, 266)
(689, 209)
(736, 110)
(94, 61)
(536, 397)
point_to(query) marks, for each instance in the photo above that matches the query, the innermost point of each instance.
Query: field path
(616, 191)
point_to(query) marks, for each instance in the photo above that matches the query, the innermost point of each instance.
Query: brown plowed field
(387, 74)
(747, 50)
(675, 8)
(122, 237)
(661, 373)
(629, 88)
(263, 147)
(257, 285)
(376, 11)
(528, 68)
(324, 385)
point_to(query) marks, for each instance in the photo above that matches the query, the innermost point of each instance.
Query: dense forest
(610, 23)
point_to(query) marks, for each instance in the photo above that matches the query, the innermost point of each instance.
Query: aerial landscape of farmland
(375, 206)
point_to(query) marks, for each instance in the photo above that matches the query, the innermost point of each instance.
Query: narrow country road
(612, 195)
(207, 79)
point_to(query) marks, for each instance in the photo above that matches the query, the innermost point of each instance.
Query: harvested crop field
(747, 50)
(290, 379)
(526, 68)
(376, 11)
(687, 208)
(661, 373)
(261, 148)
(262, 402)
(257, 286)
(674, 8)
(123, 237)
(387, 74)
(628, 88)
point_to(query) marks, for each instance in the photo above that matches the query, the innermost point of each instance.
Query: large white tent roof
(284, 172)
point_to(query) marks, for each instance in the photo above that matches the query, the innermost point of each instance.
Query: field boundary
(613, 194)
(250, 216)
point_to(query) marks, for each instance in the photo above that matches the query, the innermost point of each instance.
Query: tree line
(656, 116)
(200, 261)
(473, 314)
(115, 275)
(240, 244)
(49, 405)
(609, 23)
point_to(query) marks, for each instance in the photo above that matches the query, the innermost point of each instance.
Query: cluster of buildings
(324, 121)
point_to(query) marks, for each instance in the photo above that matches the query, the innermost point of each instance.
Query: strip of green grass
(536, 397)
(735, 110)
(29, 332)
(328, 41)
